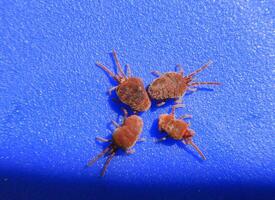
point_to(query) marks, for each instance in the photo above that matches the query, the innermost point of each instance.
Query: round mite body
(173, 85)
(132, 93)
(177, 129)
(130, 90)
(124, 137)
(127, 135)
(170, 85)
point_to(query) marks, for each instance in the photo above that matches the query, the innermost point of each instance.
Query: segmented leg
(200, 69)
(188, 141)
(92, 161)
(204, 83)
(107, 163)
(108, 71)
(120, 70)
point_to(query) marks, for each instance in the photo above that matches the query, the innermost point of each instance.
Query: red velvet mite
(177, 128)
(124, 137)
(130, 90)
(173, 85)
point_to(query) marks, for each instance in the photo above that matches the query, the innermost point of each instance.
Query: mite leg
(130, 151)
(204, 83)
(157, 73)
(129, 72)
(108, 71)
(161, 103)
(107, 163)
(186, 116)
(112, 89)
(101, 139)
(161, 139)
(121, 73)
(180, 69)
(200, 69)
(176, 106)
(92, 161)
(115, 124)
(189, 141)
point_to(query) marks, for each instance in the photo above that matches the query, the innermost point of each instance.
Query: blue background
(53, 99)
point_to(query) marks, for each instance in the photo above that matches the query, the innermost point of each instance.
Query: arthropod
(173, 85)
(130, 90)
(177, 128)
(124, 137)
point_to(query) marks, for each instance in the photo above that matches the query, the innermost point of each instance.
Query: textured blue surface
(53, 99)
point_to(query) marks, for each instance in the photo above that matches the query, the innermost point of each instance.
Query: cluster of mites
(131, 91)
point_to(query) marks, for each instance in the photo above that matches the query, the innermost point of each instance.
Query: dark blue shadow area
(26, 186)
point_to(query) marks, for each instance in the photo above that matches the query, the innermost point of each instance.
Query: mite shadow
(156, 134)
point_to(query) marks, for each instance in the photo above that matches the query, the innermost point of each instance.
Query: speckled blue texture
(53, 99)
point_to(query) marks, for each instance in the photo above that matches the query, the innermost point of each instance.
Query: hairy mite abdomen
(170, 85)
(132, 93)
(127, 135)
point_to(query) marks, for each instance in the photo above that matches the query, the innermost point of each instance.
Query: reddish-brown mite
(173, 85)
(130, 90)
(177, 128)
(124, 137)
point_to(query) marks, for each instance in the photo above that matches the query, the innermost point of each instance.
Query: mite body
(173, 85)
(124, 137)
(130, 90)
(177, 128)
